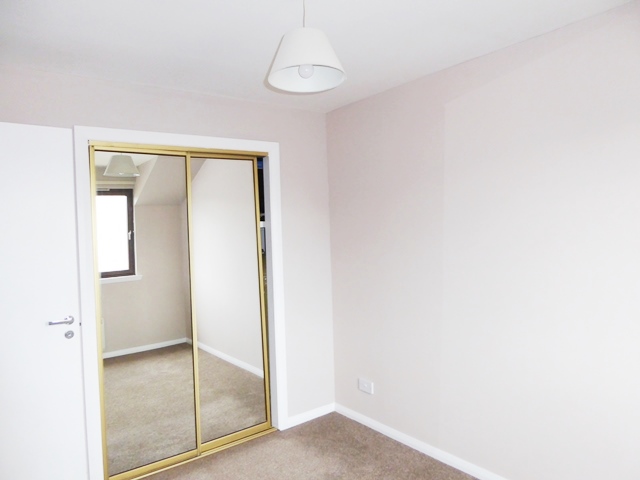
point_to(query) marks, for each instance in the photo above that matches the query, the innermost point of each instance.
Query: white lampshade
(306, 63)
(121, 166)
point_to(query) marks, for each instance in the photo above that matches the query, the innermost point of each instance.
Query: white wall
(225, 261)
(485, 236)
(42, 98)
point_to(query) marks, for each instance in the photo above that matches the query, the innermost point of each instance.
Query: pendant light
(121, 166)
(305, 62)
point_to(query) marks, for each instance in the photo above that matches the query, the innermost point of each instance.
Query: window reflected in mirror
(114, 230)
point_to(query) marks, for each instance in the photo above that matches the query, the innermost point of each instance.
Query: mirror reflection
(146, 310)
(227, 298)
(180, 263)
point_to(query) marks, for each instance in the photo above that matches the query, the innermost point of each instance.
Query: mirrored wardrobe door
(227, 296)
(145, 295)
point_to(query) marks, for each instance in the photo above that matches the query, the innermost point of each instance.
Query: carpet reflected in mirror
(152, 416)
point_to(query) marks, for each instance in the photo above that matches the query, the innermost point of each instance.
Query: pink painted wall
(486, 256)
(41, 98)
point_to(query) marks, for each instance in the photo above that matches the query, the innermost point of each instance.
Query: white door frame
(87, 274)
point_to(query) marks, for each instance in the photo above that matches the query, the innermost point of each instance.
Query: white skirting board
(444, 457)
(206, 348)
(305, 417)
(231, 360)
(420, 446)
(143, 348)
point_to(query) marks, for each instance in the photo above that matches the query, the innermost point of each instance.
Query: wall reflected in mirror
(146, 317)
(227, 298)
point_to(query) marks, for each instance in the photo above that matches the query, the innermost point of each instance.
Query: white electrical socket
(365, 385)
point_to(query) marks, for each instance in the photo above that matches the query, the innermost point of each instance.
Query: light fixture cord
(304, 13)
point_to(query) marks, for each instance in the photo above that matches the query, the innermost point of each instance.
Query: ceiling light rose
(305, 62)
(121, 166)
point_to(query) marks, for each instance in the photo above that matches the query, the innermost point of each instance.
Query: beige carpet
(330, 447)
(149, 404)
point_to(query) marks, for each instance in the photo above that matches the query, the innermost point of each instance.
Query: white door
(42, 426)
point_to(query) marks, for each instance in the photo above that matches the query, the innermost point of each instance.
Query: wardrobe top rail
(173, 150)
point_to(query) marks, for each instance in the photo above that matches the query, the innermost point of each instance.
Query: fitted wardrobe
(171, 358)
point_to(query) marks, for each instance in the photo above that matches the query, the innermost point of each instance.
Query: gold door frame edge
(98, 297)
(209, 452)
(263, 300)
(235, 438)
(194, 321)
(156, 467)
(175, 150)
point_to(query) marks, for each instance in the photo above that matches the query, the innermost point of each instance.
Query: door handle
(67, 321)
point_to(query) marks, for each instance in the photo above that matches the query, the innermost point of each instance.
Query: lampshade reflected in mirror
(121, 166)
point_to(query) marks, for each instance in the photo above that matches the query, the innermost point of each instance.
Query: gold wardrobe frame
(226, 441)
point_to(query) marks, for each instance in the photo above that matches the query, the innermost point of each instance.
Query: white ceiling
(225, 47)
